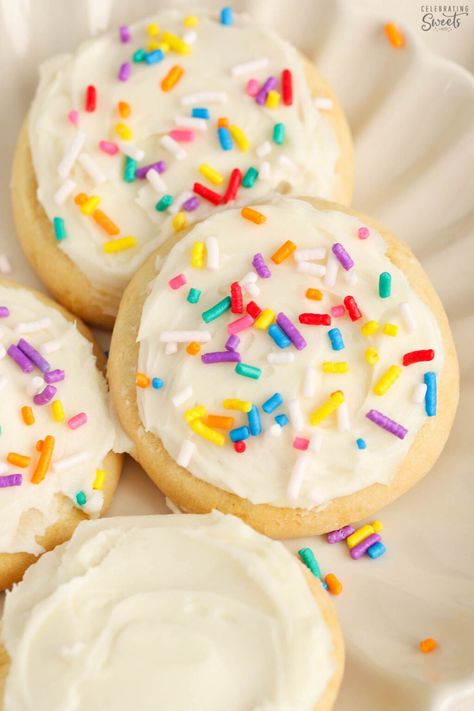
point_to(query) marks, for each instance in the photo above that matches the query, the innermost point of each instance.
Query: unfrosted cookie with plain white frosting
(57, 436)
(296, 368)
(170, 612)
(138, 133)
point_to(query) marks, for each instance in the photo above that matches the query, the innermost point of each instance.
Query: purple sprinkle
(268, 85)
(159, 166)
(362, 547)
(20, 359)
(124, 71)
(45, 395)
(4, 311)
(341, 534)
(221, 357)
(344, 258)
(387, 424)
(260, 267)
(10, 480)
(291, 331)
(33, 355)
(124, 34)
(191, 203)
(54, 376)
(232, 342)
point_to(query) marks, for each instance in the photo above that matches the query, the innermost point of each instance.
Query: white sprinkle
(181, 397)
(2, 352)
(251, 289)
(171, 348)
(212, 251)
(343, 421)
(178, 202)
(286, 163)
(322, 103)
(264, 149)
(91, 168)
(62, 465)
(203, 97)
(190, 122)
(64, 191)
(275, 430)
(309, 384)
(33, 326)
(94, 503)
(184, 336)
(318, 270)
(265, 170)
(156, 182)
(297, 476)
(50, 347)
(350, 277)
(419, 392)
(190, 37)
(250, 277)
(3, 381)
(308, 255)
(5, 266)
(332, 266)
(173, 147)
(185, 453)
(408, 316)
(280, 358)
(295, 412)
(254, 65)
(129, 149)
(35, 386)
(71, 154)
(316, 441)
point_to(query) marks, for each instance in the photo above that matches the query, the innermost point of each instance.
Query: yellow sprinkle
(152, 45)
(117, 245)
(335, 367)
(99, 479)
(369, 328)
(180, 221)
(273, 99)
(390, 329)
(361, 534)
(124, 131)
(176, 43)
(371, 356)
(327, 408)
(377, 526)
(153, 29)
(240, 138)
(197, 255)
(195, 413)
(58, 410)
(204, 431)
(191, 21)
(211, 174)
(90, 205)
(236, 404)
(265, 319)
(387, 380)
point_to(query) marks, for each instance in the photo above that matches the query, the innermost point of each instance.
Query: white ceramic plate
(412, 119)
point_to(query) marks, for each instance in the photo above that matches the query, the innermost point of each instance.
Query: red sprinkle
(236, 301)
(233, 186)
(418, 356)
(287, 87)
(352, 308)
(91, 98)
(240, 446)
(207, 193)
(253, 309)
(315, 319)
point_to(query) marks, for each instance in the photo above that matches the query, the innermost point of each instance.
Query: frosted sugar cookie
(141, 132)
(170, 612)
(56, 435)
(289, 362)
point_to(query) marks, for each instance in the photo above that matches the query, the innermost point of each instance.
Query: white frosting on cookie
(272, 470)
(27, 510)
(305, 163)
(166, 612)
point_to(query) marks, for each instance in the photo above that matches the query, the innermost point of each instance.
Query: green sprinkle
(250, 371)
(279, 133)
(194, 295)
(81, 498)
(139, 55)
(59, 228)
(307, 556)
(250, 177)
(217, 310)
(164, 203)
(385, 285)
(129, 169)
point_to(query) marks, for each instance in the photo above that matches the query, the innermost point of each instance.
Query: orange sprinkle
(39, 445)
(221, 422)
(223, 122)
(142, 380)
(124, 109)
(44, 460)
(27, 415)
(19, 460)
(334, 585)
(394, 36)
(105, 222)
(80, 199)
(283, 252)
(172, 78)
(428, 645)
(253, 215)
(193, 348)
(314, 294)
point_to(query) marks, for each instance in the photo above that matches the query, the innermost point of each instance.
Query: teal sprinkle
(164, 203)
(279, 133)
(250, 177)
(385, 285)
(250, 371)
(59, 228)
(194, 295)
(81, 498)
(129, 169)
(217, 310)
(307, 556)
(139, 55)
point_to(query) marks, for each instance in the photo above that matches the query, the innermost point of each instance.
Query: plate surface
(411, 117)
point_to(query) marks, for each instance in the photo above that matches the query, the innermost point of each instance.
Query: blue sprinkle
(282, 420)
(227, 16)
(272, 403)
(361, 443)
(198, 112)
(239, 433)
(430, 396)
(255, 424)
(225, 139)
(376, 550)
(335, 336)
(324, 584)
(280, 338)
(154, 57)
(157, 383)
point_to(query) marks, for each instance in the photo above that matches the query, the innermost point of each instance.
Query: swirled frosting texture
(168, 612)
(263, 472)
(310, 142)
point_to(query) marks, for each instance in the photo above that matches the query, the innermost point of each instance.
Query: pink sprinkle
(301, 443)
(252, 87)
(178, 281)
(240, 324)
(77, 421)
(363, 232)
(182, 135)
(73, 117)
(338, 311)
(107, 147)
